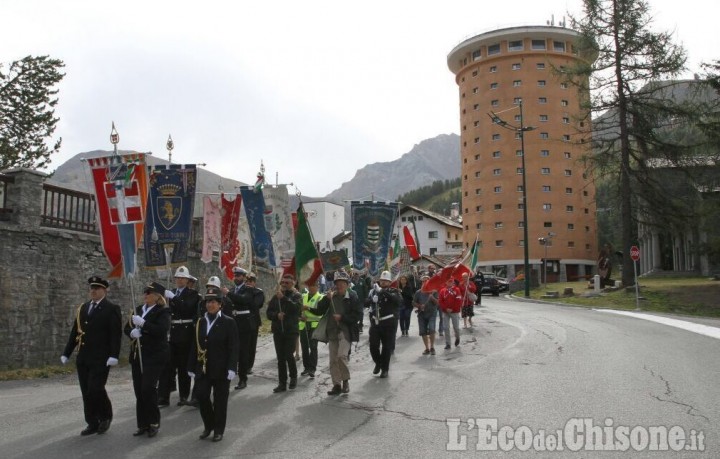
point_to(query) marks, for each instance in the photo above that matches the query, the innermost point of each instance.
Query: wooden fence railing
(68, 209)
(4, 210)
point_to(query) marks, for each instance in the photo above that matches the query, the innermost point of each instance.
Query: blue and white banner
(278, 222)
(255, 210)
(171, 198)
(372, 228)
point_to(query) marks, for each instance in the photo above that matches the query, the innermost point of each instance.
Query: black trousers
(252, 346)
(213, 412)
(96, 404)
(244, 331)
(382, 342)
(179, 354)
(145, 384)
(405, 315)
(285, 352)
(309, 348)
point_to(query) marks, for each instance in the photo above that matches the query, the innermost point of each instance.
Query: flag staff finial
(114, 138)
(170, 145)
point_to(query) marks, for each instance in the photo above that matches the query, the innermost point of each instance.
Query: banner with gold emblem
(170, 211)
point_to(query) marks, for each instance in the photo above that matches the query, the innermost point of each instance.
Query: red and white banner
(229, 234)
(121, 190)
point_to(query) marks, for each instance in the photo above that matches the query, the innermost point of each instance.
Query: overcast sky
(315, 89)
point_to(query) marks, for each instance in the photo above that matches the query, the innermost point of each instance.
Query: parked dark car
(491, 284)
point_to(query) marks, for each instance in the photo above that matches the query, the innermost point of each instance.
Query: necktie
(91, 309)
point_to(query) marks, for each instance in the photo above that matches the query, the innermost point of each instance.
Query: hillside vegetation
(436, 197)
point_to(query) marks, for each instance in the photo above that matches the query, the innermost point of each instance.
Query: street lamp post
(521, 132)
(546, 242)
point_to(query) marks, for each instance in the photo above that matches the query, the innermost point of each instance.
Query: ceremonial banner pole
(115, 139)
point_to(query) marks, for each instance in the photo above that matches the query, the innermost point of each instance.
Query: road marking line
(701, 329)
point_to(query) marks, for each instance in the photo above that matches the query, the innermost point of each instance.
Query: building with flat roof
(496, 72)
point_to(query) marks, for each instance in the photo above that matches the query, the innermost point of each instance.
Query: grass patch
(36, 373)
(696, 296)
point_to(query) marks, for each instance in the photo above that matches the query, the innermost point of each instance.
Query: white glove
(63, 359)
(138, 321)
(231, 375)
(112, 361)
(135, 333)
(169, 295)
(191, 374)
(377, 288)
(375, 298)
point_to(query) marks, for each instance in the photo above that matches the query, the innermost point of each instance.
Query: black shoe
(182, 402)
(104, 426)
(249, 372)
(163, 403)
(241, 385)
(336, 390)
(426, 352)
(89, 430)
(432, 351)
(377, 369)
(293, 383)
(311, 374)
(152, 430)
(384, 374)
(192, 402)
(217, 437)
(346, 387)
(447, 346)
(304, 373)
(457, 342)
(205, 434)
(280, 388)
(140, 431)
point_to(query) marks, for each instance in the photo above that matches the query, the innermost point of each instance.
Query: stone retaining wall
(43, 279)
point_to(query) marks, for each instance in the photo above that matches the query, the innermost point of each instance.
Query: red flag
(437, 282)
(230, 247)
(120, 196)
(410, 244)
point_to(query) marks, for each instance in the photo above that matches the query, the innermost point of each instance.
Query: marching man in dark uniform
(258, 300)
(183, 302)
(384, 312)
(284, 312)
(245, 306)
(149, 354)
(96, 332)
(212, 363)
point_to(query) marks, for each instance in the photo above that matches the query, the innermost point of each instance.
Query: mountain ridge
(436, 158)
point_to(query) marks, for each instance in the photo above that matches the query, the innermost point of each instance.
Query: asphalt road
(529, 367)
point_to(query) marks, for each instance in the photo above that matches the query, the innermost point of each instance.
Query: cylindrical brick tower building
(495, 71)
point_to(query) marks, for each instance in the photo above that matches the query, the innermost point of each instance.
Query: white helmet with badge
(182, 271)
(214, 281)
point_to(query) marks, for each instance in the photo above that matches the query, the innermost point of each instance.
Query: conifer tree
(28, 96)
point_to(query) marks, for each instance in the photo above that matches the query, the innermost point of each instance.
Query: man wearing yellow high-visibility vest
(308, 324)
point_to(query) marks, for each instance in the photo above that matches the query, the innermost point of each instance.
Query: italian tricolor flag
(307, 261)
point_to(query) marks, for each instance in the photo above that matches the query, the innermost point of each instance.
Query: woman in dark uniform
(213, 359)
(149, 353)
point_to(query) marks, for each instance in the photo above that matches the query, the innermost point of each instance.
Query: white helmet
(386, 276)
(214, 281)
(182, 271)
